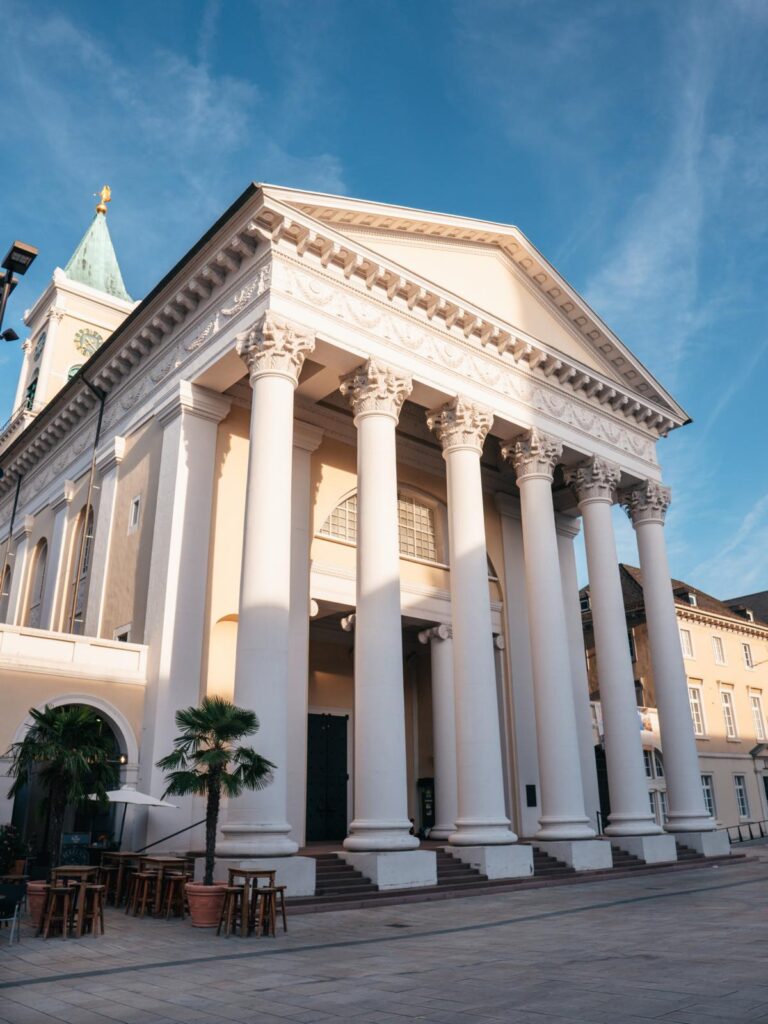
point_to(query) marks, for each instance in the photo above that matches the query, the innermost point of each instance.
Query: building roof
(757, 603)
(94, 261)
(632, 590)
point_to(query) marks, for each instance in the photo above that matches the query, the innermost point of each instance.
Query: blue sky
(628, 140)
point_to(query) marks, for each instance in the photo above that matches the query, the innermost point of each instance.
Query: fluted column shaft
(274, 351)
(376, 394)
(535, 456)
(482, 820)
(647, 505)
(440, 640)
(595, 485)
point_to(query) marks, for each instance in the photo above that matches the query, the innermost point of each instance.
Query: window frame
(697, 689)
(36, 591)
(708, 790)
(758, 718)
(740, 785)
(687, 654)
(134, 520)
(747, 655)
(718, 646)
(728, 707)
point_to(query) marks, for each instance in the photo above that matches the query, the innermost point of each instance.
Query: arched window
(29, 396)
(416, 521)
(37, 586)
(5, 593)
(79, 571)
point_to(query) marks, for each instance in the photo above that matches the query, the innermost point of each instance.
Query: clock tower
(77, 312)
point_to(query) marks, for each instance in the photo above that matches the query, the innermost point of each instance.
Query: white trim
(118, 721)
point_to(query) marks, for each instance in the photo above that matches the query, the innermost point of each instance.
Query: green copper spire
(94, 261)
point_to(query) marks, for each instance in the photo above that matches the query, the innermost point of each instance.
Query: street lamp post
(18, 260)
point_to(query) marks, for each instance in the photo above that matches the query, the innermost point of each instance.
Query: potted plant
(207, 760)
(71, 755)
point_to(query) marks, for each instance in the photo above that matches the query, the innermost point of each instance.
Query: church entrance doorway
(327, 777)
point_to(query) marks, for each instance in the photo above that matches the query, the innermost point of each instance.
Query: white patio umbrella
(128, 795)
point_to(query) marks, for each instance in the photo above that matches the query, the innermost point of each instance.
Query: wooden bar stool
(91, 915)
(58, 910)
(108, 878)
(142, 894)
(264, 910)
(231, 910)
(174, 897)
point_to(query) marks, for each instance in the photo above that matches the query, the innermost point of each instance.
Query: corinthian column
(535, 456)
(440, 640)
(274, 351)
(595, 483)
(646, 506)
(376, 394)
(462, 427)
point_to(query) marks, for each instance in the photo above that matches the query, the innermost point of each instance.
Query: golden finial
(106, 197)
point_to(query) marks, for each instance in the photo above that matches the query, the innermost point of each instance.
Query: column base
(246, 839)
(478, 832)
(655, 849)
(405, 869)
(555, 830)
(689, 823)
(708, 844)
(619, 826)
(582, 854)
(512, 861)
(441, 832)
(379, 836)
(297, 874)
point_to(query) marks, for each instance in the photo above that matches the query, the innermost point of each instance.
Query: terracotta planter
(205, 903)
(36, 896)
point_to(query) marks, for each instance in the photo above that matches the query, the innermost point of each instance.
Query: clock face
(39, 346)
(87, 341)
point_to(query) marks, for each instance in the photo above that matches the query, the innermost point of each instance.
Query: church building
(332, 467)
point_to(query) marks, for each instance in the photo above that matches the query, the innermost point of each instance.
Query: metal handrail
(739, 837)
(171, 836)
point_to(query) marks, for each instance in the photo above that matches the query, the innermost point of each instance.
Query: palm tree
(72, 755)
(206, 761)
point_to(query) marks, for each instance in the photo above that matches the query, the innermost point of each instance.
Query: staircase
(337, 878)
(453, 873)
(546, 866)
(685, 853)
(624, 860)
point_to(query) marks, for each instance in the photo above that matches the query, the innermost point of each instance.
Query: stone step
(622, 859)
(686, 853)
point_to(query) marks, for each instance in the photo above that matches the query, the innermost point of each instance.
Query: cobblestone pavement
(685, 946)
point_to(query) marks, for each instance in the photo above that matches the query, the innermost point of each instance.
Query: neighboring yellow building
(725, 651)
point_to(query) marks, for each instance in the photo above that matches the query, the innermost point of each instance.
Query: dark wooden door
(327, 777)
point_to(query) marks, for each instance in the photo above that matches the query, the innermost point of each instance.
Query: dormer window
(750, 614)
(692, 601)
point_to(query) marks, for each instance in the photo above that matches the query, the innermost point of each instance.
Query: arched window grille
(416, 522)
(5, 594)
(37, 586)
(79, 572)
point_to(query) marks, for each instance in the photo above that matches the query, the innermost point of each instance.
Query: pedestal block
(581, 854)
(408, 869)
(658, 849)
(511, 861)
(710, 844)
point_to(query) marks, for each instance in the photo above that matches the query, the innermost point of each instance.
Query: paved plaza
(682, 946)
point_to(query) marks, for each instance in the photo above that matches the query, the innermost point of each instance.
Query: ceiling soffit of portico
(385, 228)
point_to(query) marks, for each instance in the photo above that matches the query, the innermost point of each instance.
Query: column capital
(65, 498)
(533, 454)
(460, 423)
(376, 388)
(647, 502)
(275, 347)
(111, 455)
(596, 479)
(442, 632)
(195, 400)
(24, 528)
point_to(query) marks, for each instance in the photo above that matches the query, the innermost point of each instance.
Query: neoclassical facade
(333, 467)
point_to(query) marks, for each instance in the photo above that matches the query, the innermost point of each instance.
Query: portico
(402, 421)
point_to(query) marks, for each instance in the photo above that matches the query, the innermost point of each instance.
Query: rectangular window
(663, 805)
(632, 649)
(648, 764)
(718, 650)
(757, 714)
(708, 790)
(741, 795)
(697, 714)
(652, 802)
(747, 652)
(729, 716)
(686, 643)
(134, 514)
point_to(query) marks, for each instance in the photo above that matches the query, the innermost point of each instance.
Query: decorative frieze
(647, 502)
(594, 480)
(533, 453)
(376, 388)
(275, 346)
(460, 423)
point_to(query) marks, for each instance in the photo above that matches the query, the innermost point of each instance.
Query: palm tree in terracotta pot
(208, 760)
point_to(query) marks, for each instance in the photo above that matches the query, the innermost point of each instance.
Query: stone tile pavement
(687, 947)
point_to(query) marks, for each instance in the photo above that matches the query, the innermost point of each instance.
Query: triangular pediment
(492, 267)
